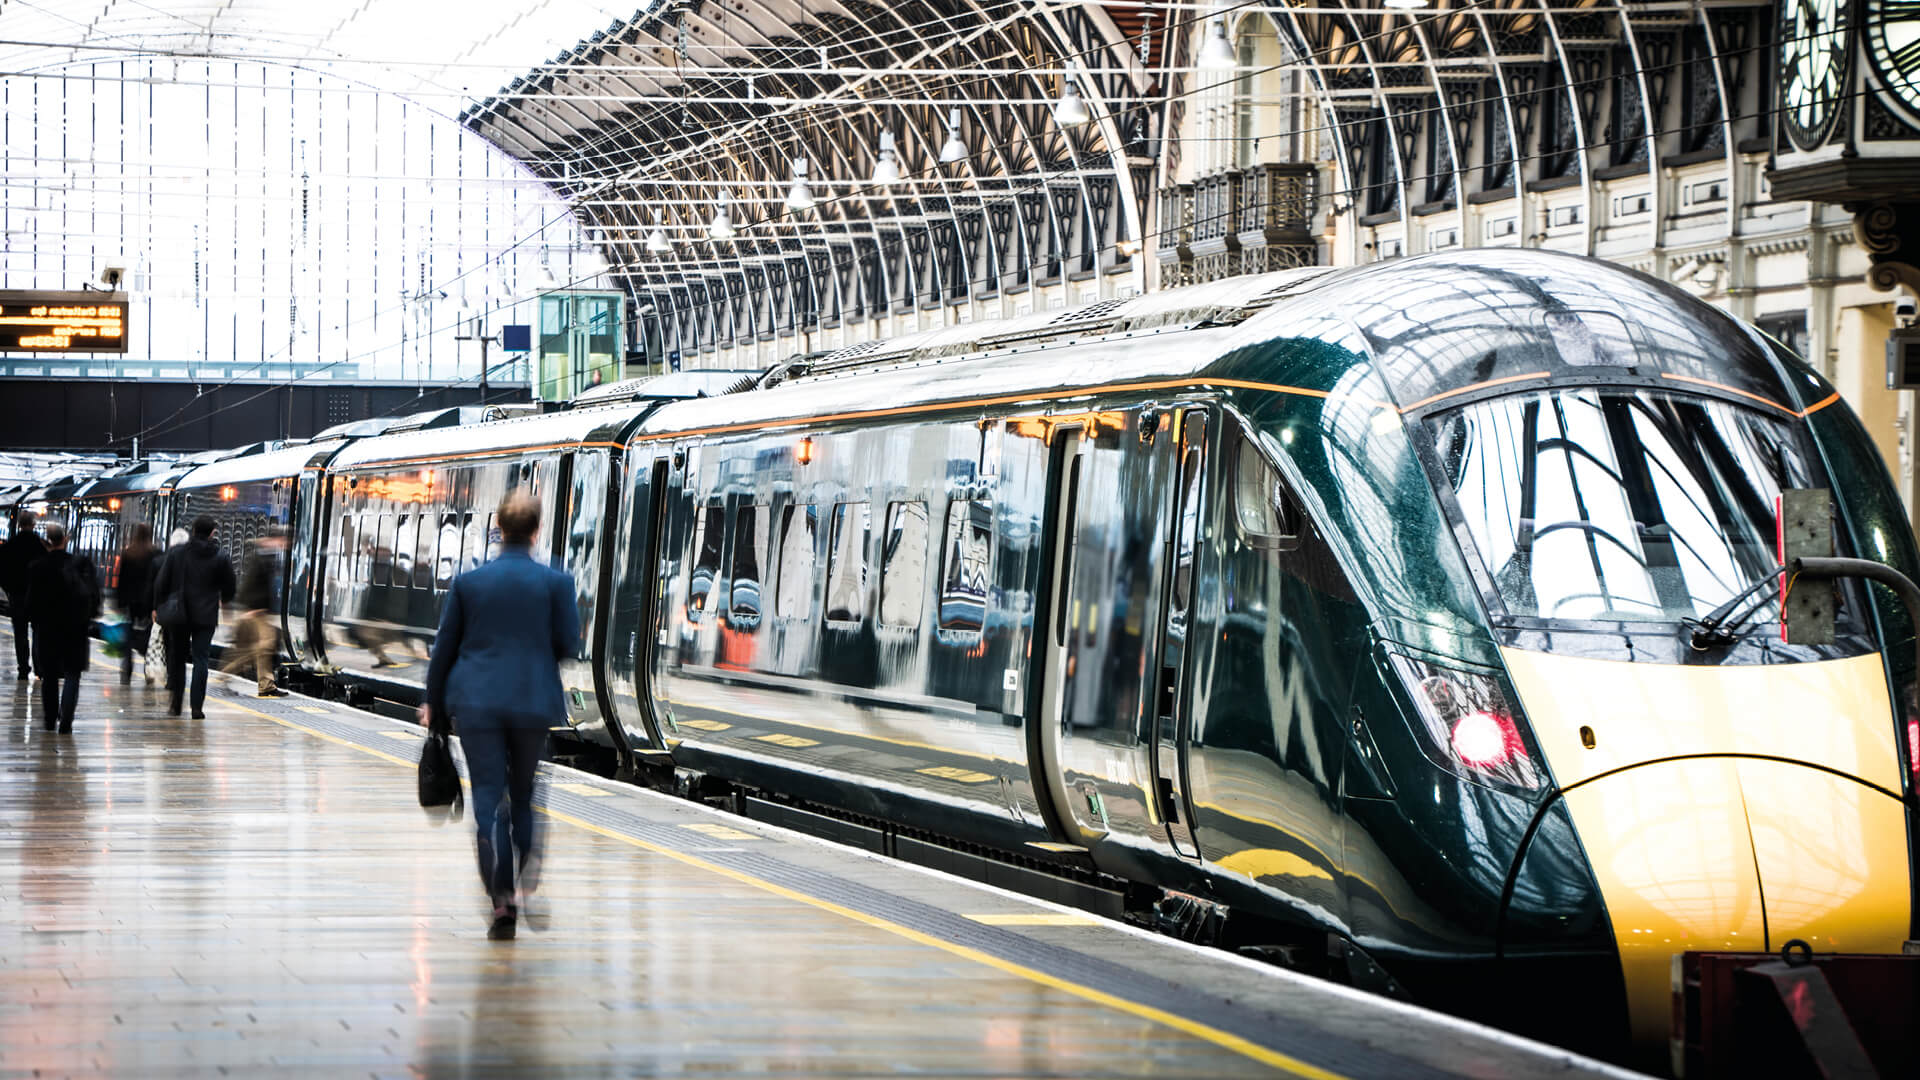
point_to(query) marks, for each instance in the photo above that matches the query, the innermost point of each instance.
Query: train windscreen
(1620, 505)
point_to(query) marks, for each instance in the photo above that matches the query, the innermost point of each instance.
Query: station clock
(1814, 54)
(1892, 34)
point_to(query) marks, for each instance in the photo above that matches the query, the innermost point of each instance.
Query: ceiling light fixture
(1405, 5)
(721, 227)
(1071, 109)
(955, 148)
(886, 170)
(657, 242)
(1217, 53)
(800, 196)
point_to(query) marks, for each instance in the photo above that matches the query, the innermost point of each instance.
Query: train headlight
(1466, 725)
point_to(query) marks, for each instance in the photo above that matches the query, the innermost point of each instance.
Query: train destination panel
(62, 322)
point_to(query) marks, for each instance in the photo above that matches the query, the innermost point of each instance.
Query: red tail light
(1486, 741)
(1467, 725)
(1913, 747)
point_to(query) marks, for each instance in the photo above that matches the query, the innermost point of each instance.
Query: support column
(1861, 377)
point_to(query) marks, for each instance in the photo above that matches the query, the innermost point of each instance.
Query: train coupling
(1796, 1013)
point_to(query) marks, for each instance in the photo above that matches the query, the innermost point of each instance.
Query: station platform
(259, 892)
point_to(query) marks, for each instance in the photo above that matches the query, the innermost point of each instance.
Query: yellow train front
(1582, 734)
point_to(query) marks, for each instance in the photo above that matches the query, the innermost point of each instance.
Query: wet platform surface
(259, 892)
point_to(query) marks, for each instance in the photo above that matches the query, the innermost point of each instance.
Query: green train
(1351, 616)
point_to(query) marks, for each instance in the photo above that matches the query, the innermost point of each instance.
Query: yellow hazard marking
(779, 739)
(313, 709)
(399, 734)
(1035, 918)
(949, 772)
(588, 790)
(720, 832)
(702, 725)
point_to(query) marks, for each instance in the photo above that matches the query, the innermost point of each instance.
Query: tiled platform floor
(258, 894)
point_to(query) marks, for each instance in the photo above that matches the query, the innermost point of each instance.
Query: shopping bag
(439, 780)
(114, 634)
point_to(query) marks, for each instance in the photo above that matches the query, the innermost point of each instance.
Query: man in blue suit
(495, 673)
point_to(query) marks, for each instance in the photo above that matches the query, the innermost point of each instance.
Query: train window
(1265, 510)
(709, 535)
(968, 555)
(403, 550)
(474, 546)
(423, 550)
(448, 564)
(749, 542)
(847, 561)
(1186, 539)
(794, 599)
(380, 566)
(903, 564)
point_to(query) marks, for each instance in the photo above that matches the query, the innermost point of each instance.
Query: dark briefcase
(439, 779)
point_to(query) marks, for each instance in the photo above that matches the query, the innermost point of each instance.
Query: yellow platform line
(1206, 1032)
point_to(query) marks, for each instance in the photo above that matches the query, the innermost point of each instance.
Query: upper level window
(749, 541)
(968, 563)
(903, 564)
(847, 561)
(709, 534)
(794, 596)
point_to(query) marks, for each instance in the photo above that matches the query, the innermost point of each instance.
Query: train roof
(133, 479)
(1405, 334)
(277, 464)
(602, 425)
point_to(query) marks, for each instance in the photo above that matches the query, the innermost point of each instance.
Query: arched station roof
(651, 123)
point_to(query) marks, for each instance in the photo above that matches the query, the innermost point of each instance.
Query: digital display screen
(81, 322)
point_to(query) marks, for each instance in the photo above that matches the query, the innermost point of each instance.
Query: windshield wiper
(1714, 629)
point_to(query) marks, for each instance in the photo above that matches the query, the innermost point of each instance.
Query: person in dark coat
(256, 639)
(63, 599)
(133, 591)
(20, 552)
(495, 673)
(200, 577)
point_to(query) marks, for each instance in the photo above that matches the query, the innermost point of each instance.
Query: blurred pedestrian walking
(20, 552)
(256, 637)
(495, 676)
(63, 599)
(194, 581)
(173, 639)
(133, 591)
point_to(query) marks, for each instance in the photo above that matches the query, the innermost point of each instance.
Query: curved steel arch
(632, 122)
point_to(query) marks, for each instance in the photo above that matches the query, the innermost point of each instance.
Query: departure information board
(78, 322)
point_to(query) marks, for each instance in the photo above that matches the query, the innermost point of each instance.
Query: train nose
(1727, 808)
(1739, 855)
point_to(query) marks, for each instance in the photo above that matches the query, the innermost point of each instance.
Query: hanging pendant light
(799, 196)
(886, 170)
(1218, 53)
(1071, 110)
(657, 242)
(721, 227)
(955, 148)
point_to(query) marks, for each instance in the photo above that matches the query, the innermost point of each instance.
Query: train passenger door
(1054, 669)
(306, 536)
(579, 505)
(631, 603)
(1172, 727)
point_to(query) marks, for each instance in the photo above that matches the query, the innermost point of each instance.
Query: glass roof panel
(439, 51)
